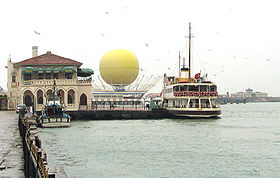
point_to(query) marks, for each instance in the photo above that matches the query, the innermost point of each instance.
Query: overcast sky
(236, 42)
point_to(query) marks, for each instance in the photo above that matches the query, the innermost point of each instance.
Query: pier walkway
(11, 154)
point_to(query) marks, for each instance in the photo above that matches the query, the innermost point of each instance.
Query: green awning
(55, 70)
(28, 70)
(68, 69)
(40, 70)
(85, 72)
(48, 70)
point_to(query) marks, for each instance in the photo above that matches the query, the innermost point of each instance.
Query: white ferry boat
(190, 97)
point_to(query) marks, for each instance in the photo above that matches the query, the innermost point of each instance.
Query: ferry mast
(190, 52)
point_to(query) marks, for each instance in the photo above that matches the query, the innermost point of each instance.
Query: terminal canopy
(55, 70)
(40, 70)
(28, 70)
(85, 72)
(48, 70)
(68, 69)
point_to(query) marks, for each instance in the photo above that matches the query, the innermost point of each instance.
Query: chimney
(34, 51)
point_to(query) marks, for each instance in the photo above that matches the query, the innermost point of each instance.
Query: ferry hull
(194, 114)
(55, 123)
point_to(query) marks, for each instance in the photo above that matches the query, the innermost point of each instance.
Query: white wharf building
(31, 81)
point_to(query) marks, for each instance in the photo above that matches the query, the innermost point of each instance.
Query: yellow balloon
(119, 67)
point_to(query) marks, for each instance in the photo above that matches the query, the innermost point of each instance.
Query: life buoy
(191, 93)
(202, 93)
(212, 93)
(175, 93)
(102, 99)
(196, 93)
(185, 93)
(207, 93)
(181, 93)
(216, 93)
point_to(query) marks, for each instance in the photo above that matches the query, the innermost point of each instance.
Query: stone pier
(11, 154)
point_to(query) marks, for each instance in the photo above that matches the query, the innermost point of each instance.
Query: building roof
(48, 59)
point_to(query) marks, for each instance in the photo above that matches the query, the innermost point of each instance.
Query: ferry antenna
(179, 64)
(190, 51)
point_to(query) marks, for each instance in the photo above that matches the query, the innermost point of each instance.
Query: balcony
(60, 82)
(44, 82)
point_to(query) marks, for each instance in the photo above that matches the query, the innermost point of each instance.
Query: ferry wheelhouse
(185, 96)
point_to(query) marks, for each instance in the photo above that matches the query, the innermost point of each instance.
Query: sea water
(244, 142)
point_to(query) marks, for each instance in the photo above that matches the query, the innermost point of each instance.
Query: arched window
(49, 95)
(61, 96)
(70, 101)
(71, 97)
(83, 99)
(40, 97)
(28, 98)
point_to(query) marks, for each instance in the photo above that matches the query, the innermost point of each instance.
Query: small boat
(190, 97)
(53, 114)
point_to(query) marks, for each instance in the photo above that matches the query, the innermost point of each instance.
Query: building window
(68, 76)
(83, 99)
(40, 97)
(40, 76)
(13, 79)
(70, 101)
(40, 100)
(48, 76)
(55, 76)
(27, 77)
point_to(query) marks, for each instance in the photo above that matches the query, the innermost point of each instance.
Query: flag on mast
(197, 76)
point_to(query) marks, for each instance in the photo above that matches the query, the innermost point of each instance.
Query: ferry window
(40, 76)
(205, 103)
(68, 76)
(213, 88)
(48, 76)
(214, 104)
(13, 79)
(194, 103)
(55, 76)
(181, 88)
(27, 76)
(183, 103)
(176, 88)
(203, 88)
(193, 88)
